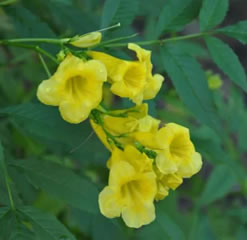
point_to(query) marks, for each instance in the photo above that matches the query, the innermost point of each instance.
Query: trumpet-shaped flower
(131, 189)
(76, 87)
(176, 152)
(86, 40)
(137, 120)
(132, 79)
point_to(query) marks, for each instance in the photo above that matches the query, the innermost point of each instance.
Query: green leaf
(45, 124)
(1, 157)
(238, 213)
(164, 226)
(123, 11)
(21, 232)
(227, 61)
(7, 224)
(219, 184)
(241, 233)
(105, 229)
(61, 183)
(193, 49)
(204, 230)
(238, 31)
(26, 23)
(190, 83)
(168, 225)
(212, 13)
(46, 226)
(175, 14)
(3, 211)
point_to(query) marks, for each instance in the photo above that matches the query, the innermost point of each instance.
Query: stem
(109, 28)
(162, 41)
(35, 40)
(103, 44)
(6, 178)
(12, 205)
(44, 65)
(7, 2)
(16, 42)
(27, 46)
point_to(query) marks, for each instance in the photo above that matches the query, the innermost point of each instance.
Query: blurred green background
(41, 150)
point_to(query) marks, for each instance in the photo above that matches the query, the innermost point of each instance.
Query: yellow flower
(76, 87)
(176, 152)
(131, 189)
(86, 40)
(166, 182)
(136, 121)
(132, 79)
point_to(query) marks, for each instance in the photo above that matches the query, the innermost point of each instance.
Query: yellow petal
(142, 54)
(74, 112)
(121, 172)
(87, 40)
(165, 163)
(139, 215)
(148, 124)
(162, 192)
(120, 125)
(189, 168)
(138, 160)
(153, 86)
(48, 92)
(111, 63)
(108, 203)
(147, 139)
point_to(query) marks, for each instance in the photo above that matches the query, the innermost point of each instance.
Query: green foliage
(26, 23)
(175, 14)
(61, 182)
(44, 225)
(227, 61)
(119, 11)
(238, 31)
(214, 189)
(191, 85)
(212, 13)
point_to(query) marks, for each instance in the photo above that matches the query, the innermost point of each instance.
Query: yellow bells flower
(76, 87)
(136, 121)
(166, 182)
(153, 82)
(131, 189)
(86, 40)
(132, 79)
(176, 152)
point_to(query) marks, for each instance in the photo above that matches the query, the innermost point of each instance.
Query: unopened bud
(86, 40)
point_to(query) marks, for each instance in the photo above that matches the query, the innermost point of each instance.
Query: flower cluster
(146, 162)
(76, 87)
(147, 159)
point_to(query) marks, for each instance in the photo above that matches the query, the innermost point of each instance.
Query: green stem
(6, 177)
(161, 41)
(7, 2)
(44, 65)
(103, 44)
(33, 47)
(110, 43)
(35, 40)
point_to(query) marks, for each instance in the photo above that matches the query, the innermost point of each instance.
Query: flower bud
(86, 40)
